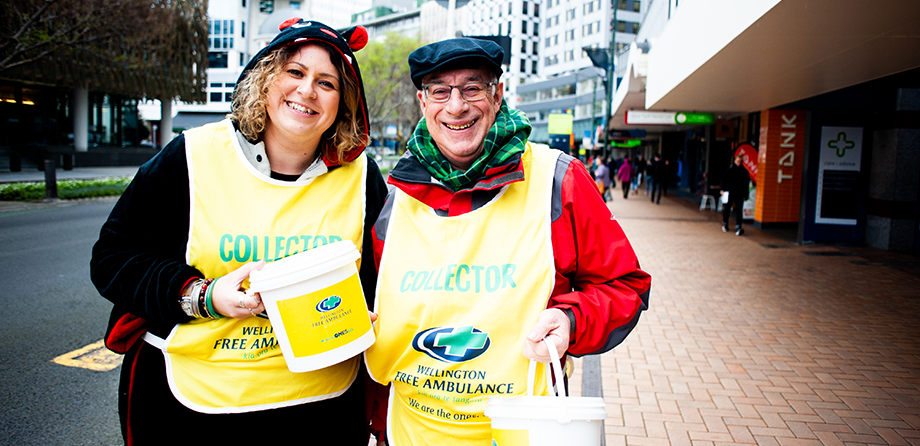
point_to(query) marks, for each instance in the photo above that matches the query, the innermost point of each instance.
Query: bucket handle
(560, 390)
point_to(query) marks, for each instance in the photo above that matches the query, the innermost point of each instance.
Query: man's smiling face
(459, 127)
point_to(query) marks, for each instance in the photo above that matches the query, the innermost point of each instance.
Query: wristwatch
(189, 302)
(188, 305)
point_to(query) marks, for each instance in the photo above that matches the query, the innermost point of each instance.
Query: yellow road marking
(93, 357)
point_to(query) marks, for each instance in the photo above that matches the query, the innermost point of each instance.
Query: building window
(217, 59)
(536, 29)
(621, 27)
(533, 67)
(509, 8)
(294, 5)
(228, 96)
(267, 6)
(243, 29)
(216, 85)
(221, 34)
(536, 10)
(524, 8)
(216, 97)
(523, 66)
(523, 26)
(500, 29)
(570, 14)
(570, 35)
(242, 59)
(523, 46)
(636, 5)
(535, 48)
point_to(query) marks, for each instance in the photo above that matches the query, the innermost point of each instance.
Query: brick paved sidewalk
(753, 340)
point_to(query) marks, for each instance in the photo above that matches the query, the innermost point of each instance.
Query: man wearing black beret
(487, 246)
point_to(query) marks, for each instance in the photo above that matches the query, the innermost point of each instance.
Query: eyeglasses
(470, 91)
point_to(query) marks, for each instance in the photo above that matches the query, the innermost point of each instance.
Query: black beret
(448, 53)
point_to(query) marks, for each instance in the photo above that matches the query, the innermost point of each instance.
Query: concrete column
(80, 120)
(451, 9)
(894, 189)
(166, 134)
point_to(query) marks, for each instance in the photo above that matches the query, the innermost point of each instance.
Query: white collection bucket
(316, 305)
(546, 420)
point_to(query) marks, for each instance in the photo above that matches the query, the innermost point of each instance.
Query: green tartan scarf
(505, 139)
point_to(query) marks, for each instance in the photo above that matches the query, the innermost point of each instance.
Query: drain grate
(770, 246)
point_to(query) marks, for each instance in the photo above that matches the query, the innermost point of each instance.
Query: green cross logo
(461, 339)
(328, 304)
(841, 144)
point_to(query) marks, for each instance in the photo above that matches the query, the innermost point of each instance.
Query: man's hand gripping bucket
(546, 420)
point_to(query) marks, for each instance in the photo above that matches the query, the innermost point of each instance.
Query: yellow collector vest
(237, 216)
(456, 296)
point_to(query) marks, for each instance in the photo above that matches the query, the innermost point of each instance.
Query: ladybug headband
(297, 30)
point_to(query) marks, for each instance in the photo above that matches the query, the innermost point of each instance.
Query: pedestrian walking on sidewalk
(656, 169)
(735, 183)
(625, 175)
(202, 365)
(638, 172)
(487, 246)
(602, 178)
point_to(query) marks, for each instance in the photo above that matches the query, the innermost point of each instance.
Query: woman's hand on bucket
(553, 325)
(230, 300)
(372, 315)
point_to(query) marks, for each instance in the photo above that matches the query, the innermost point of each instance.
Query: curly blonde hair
(251, 97)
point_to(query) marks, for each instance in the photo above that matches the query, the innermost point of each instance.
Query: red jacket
(597, 280)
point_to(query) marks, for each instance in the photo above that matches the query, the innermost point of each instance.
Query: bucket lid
(547, 408)
(304, 265)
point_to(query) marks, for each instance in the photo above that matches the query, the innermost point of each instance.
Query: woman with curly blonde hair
(284, 173)
(250, 97)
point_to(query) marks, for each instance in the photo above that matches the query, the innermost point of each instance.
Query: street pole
(594, 113)
(611, 77)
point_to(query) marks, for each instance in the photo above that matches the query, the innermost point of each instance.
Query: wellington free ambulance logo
(452, 344)
(328, 304)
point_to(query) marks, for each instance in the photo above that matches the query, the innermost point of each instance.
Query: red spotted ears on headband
(288, 23)
(357, 37)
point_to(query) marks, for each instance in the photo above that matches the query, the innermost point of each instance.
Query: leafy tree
(391, 96)
(153, 48)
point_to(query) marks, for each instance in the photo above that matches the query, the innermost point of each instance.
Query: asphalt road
(49, 308)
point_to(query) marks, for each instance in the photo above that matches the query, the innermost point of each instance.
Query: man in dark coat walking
(735, 181)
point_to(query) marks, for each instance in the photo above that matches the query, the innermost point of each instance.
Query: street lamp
(600, 59)
(611, 74)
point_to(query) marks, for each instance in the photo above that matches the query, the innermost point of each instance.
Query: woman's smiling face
(304, 100)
